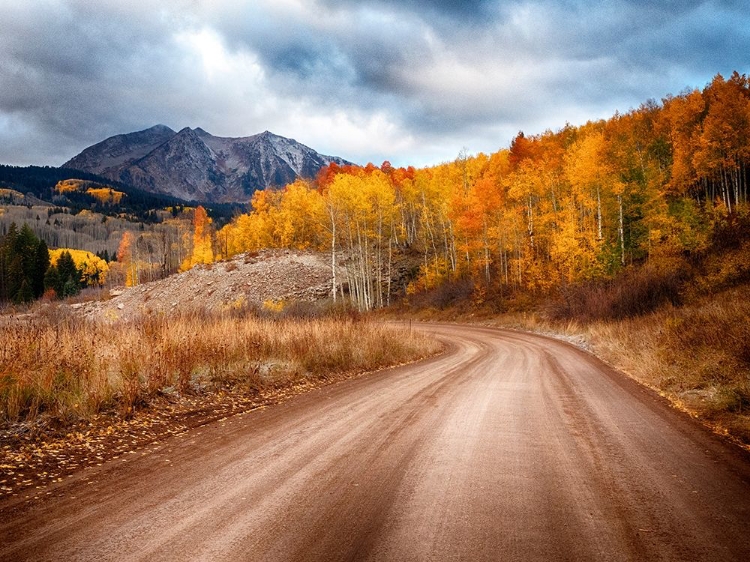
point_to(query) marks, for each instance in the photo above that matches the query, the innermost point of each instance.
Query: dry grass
(66, 368)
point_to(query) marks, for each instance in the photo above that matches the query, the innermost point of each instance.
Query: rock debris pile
(253, 279)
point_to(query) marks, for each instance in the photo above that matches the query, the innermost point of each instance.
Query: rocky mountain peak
(193, 164)
(160, 128)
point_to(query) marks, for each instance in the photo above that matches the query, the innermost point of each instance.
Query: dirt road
(507, 447)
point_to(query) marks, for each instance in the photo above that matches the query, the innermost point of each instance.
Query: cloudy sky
(411, 81)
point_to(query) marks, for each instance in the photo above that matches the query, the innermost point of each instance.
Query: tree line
(138, 205)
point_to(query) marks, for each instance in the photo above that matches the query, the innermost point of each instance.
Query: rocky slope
(270, 276)
(194, 165)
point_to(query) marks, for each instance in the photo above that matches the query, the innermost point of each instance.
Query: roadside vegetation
(697, 355)
(683, 330)
(65, 368)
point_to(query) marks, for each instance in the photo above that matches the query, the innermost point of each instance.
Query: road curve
(508, 447)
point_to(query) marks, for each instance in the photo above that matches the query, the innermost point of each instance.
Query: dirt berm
(269, 276)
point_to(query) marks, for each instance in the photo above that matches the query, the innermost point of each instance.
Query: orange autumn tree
(127, 261)
(202, 243)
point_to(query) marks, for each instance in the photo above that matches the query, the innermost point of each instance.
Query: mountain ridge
(193, 164)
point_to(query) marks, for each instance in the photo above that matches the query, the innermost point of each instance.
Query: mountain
(196, 166)
(36, 186)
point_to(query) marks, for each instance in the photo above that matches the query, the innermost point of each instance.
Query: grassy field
(65, 368)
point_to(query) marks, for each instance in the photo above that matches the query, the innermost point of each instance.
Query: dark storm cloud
(464, 11)
(65, 70)
(598, 51)
(422, 77)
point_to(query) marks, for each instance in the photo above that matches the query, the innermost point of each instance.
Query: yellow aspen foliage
(67, 186)
(556, 208)
(301, 218)
(106, 194)
(93, 269)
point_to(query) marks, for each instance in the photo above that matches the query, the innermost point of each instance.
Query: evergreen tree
(52, 281)
(71, 288)
(65, 277)
(15, 276)
(24, 293)
(24, 260)
(41, 265)
(7, 244)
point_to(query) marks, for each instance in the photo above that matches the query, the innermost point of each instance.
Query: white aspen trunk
(486, 251)
(531, 224)
(454, 257)
(390, 259)
(379, 273)
(333, 253)
(429, 227)
(368, 271)
(362, 269)
(737, 184)
(352, 270)
(446, 251)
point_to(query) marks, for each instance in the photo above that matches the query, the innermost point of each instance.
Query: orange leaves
(202, 251)
(68, 186)
(125, 259)
(124, 252)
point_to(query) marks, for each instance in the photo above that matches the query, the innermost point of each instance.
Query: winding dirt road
(507, 447)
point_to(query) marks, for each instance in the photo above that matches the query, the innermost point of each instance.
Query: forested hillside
(632, 233)
(97, 222)
(141, 252)
(656, 184)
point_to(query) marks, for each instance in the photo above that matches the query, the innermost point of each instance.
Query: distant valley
(194, 165)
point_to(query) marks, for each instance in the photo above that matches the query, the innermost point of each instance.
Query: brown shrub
(454, 293)
(634, 293)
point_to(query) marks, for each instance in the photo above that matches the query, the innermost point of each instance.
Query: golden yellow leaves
(93, 268)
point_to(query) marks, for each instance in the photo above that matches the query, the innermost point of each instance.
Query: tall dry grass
(69, 368)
